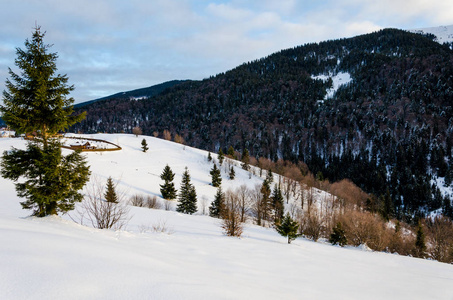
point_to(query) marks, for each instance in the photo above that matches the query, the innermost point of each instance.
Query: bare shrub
(137, 131)
(152, 202)
(231, 216)
(311, 224)
(440, 237)
(349, 192)
(155, 133)
(167, 204)
(244, 197)
(365, 228)
(138, 200)
(179, 139)
(167, 135)
(100, 213)
(159, 227)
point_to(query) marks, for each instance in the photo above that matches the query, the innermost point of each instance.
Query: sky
(110, 46)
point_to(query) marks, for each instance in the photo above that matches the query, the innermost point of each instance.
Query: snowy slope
(444, 34)
(55, 258)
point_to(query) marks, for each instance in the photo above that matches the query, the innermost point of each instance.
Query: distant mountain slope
(443, 34)
(136, 94)
(387, 125)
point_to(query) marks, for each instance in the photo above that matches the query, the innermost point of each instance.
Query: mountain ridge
(398, 101)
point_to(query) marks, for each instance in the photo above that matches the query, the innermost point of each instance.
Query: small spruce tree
(168, 189)
(187, 195)
(420, 246)
(216, 177)
(215, 209)
(269, 176)
(232, 173)
(245, 160)
(288, 227)
(277, 203)
(110, 193)
(338, 236)
(220, 156)
(209, 156)
(144, 145)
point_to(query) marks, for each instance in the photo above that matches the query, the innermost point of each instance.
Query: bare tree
(231, 215)
(100, 213)
(244, 197)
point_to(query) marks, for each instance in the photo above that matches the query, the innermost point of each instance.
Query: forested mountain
(388, 129)
(136, 94)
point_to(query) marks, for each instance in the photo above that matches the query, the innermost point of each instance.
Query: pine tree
(216, 206)
(110, 193)
(209, 156)
(167, 189)
(220, 156)
(232, 173)
(245, 160)
(36, 102)
(420, 246)
(338, 236)
(144, 145)
(230, 152)
(277, 203)
(187, 195)
(216, 177)
(288, 227)
(269, 176)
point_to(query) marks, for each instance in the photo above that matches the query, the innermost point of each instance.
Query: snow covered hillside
(444, 34)
(56, 258)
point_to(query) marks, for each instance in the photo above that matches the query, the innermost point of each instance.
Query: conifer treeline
(388, 130)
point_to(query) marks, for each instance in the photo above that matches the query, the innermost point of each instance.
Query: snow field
(55, 258)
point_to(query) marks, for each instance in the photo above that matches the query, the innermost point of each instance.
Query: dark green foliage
(216, 180)
(187, 201)
(168, 189)
(245, 160)
(277, 203)
(215, 209)
(209, 156)
(110, 193)
(288, 227)
(52, 181)
(36, 101)
(220, 156)
(338, 236)
(144, 145)
(232, 173)
(393, 120)
(420, 245)
(230, 151)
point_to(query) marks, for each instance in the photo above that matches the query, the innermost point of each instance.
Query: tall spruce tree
(110, 192)
(288, 227)
(168, 189)
(187, 195)
(216, 206)
(216, 178)
(420, 246)
(36, 101)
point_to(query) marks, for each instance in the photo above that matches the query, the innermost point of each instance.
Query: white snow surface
(443, 33)
(56, 258)
(338, 80)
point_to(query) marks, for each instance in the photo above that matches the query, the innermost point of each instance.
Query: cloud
(108, 46)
